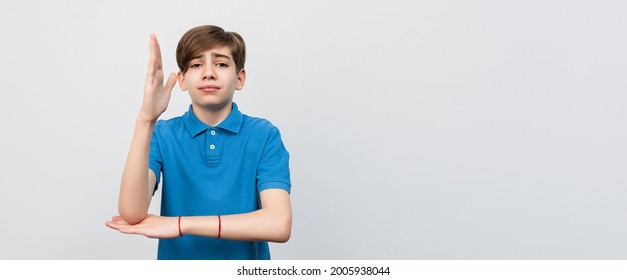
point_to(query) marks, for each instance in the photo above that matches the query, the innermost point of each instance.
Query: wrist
(144, 120)
(208, 226)
(185, 225)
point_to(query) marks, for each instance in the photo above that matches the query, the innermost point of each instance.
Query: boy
(226, 183)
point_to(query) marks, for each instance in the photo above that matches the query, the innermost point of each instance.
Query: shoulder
(168, 126)
(258, 126)
(169, 123)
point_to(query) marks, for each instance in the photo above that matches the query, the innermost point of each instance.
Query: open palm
(156, 94)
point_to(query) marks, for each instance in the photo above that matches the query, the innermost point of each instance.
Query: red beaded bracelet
(219, 226)
(180, 233)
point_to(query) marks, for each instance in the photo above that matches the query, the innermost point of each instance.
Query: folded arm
(138, 182)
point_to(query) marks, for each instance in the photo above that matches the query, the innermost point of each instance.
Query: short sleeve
(273, 171)
(155, 161)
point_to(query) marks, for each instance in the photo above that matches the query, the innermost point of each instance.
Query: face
(212, 79)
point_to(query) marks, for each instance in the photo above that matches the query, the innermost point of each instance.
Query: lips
(209, 88)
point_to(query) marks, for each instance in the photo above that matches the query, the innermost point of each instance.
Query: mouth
(209, 88)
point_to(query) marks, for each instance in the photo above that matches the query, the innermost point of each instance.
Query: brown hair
(203, 38)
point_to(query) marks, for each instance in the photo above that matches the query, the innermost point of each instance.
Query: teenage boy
(226, 183)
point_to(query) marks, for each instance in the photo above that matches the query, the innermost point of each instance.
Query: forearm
(260, 225)
(135, 193)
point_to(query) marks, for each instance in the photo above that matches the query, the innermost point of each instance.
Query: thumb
(170, 83)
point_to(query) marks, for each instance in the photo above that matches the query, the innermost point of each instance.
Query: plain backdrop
(417, 129)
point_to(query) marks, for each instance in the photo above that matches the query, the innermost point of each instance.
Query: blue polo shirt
(216, 170)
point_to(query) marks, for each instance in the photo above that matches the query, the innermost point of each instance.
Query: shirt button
(213, 132)
(212, 146)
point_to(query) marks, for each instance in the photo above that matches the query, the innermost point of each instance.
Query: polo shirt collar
(232, 123)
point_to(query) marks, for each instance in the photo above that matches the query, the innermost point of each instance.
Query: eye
(222, 65)
(195, 65)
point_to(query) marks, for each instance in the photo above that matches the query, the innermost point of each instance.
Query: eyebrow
(213, 54)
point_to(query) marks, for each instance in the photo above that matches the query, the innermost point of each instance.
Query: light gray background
(418, 129)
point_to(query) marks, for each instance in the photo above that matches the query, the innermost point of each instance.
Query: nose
(209, 73)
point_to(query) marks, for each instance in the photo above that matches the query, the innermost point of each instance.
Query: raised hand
(156, 94)
(152, 226)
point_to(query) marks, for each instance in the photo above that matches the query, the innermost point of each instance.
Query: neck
(212, 116)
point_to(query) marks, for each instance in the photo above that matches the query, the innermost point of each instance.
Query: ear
(241, 79)
(181, 79)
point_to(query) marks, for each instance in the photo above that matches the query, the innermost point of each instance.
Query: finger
(155, 54)
(151, 57)
(129, 230)
(117, 223)
(169, 85)
(118, 220)
(112, 225)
